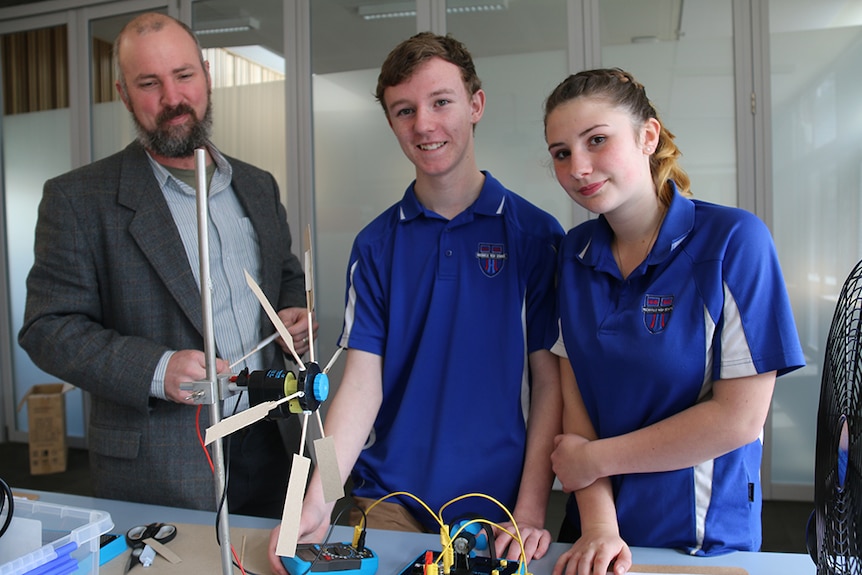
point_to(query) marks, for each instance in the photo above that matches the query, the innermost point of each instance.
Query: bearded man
(113, 298)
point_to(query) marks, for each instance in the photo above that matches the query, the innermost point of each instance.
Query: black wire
(242, 569)
(226, 453)
(6, 496)
(223, 498)
(492, 543)
(489, 533)
(352, 503)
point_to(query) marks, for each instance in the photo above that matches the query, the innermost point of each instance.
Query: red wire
(235, 558)
(212, 468)
(201, 439)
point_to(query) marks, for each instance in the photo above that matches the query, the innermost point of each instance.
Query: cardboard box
(46, 415)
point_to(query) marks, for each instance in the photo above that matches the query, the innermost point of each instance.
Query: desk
(396, 549)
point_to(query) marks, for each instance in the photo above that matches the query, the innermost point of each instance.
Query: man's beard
(176, 141)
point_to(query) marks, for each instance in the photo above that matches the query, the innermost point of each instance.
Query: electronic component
(334, 557)
(111, 545)
(273, 384)
(472, 566)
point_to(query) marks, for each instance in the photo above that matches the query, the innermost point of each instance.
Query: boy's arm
(349, 420)
(543, 424)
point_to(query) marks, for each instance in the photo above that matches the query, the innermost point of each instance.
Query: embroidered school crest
(491, 258)
(657, 310)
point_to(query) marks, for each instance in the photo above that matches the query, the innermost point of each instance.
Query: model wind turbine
(270, 392)
(303, 394)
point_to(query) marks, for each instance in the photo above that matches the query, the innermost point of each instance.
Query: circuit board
(474, 566)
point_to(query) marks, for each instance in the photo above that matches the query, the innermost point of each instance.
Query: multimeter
(331, 558)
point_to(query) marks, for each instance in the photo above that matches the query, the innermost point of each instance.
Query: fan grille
(837, 482)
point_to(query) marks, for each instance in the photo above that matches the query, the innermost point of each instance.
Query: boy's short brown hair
(405, 58)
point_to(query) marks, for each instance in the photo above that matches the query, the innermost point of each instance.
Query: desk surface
(396, 549)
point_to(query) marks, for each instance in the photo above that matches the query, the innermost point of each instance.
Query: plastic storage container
(63, 529)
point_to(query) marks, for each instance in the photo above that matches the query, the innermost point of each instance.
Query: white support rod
(210, 358)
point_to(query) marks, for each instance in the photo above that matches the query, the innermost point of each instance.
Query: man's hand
(184, 366)
(295, 319)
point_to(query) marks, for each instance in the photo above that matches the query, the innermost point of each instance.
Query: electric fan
(835, 528)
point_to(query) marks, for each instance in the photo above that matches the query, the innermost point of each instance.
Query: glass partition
(682, 52)
(817, 186)
(243, 41)
(37, 119)
(520, 55)
(359, 170)
(111, 124)
(359, 167)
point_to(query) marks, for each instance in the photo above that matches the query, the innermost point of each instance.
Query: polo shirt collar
(677, 225)
(491, 200)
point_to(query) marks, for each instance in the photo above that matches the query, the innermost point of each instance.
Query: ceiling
(343, 40)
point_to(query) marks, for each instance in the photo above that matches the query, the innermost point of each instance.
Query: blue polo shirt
(454, 307)
(708, 303)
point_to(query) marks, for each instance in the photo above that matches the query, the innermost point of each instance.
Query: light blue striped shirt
(233, 247)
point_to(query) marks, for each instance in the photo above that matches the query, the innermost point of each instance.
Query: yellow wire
(396, 493)
(522, 563)
(516, 536)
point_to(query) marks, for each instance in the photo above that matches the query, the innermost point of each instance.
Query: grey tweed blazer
(111, 290)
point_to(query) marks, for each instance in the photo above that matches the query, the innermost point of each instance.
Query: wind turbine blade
(327, 463)
(304, 431)
(332, 360)
(309, 291)
(289, 533)
(242, 419)
(263, 343)
(273, 317)
(326, 460)
(319, 423)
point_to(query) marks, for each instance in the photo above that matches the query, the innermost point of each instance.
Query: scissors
(137, 535)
